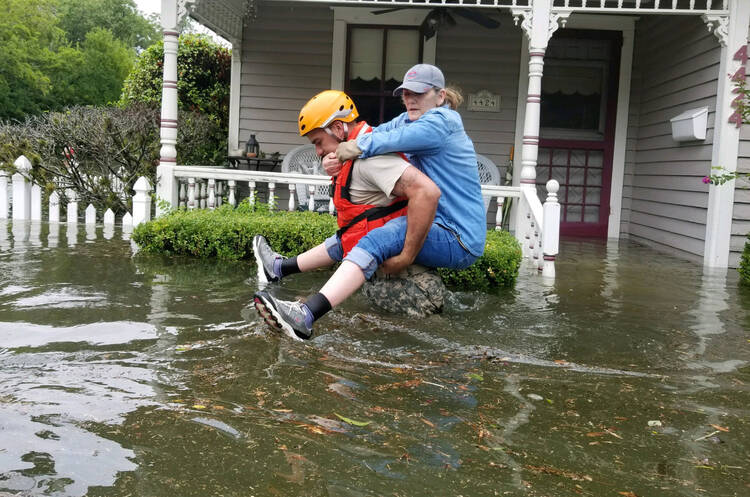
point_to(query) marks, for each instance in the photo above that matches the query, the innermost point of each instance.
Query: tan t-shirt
(373, 179)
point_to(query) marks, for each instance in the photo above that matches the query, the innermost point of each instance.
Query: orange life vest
(356, 220)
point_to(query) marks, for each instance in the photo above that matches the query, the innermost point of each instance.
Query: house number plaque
(484, 101)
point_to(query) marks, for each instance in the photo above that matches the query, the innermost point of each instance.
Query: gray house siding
(741, 212)
(286, 59)
(287, 55)
(474, 59)
(664, 200)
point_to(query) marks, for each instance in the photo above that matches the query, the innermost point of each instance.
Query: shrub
(100, 152)
(498, 266)
(227, 233)
(203, 69)
(88, 150)
(744, 268)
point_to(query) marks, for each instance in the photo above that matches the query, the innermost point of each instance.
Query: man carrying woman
(449, 234)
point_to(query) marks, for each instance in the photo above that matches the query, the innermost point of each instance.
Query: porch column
(537, 33)
(539, 23)
(732, 34)
(233, 142)
(168, 133)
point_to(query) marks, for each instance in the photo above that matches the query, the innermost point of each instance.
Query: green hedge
(498, 267)
(227, 234)
(744, 268)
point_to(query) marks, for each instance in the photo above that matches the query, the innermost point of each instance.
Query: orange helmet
(324, 108)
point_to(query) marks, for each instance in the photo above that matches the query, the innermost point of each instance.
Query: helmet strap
(346, 131)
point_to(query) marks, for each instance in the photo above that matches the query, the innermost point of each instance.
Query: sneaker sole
(262, 276)
(272, 318)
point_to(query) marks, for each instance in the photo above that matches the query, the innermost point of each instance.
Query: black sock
(289, 266)
(318, 305)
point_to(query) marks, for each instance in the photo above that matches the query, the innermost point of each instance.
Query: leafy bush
(203, 69)
(100, 152)
(89, 150)
(497, 267)
(744, 268)
(227, 234)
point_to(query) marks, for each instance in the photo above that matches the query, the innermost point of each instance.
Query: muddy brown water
(124, 376)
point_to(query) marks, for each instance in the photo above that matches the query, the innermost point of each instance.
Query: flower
(706, 179)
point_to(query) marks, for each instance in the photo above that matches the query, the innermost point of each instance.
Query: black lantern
(252, 147)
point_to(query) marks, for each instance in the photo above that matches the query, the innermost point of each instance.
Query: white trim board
(235, 83)
(342, 16)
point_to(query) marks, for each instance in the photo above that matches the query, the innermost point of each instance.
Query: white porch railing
(192, 187)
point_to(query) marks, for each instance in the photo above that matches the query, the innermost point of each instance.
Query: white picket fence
(195, 187)
(23, 199)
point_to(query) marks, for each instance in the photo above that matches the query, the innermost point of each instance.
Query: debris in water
(707, 436)
(558, 472)
(350, 421)
(534, 396)
(654, 422)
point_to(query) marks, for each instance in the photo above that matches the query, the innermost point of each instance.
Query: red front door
(579, 101)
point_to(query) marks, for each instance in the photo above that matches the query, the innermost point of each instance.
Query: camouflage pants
(417, 291)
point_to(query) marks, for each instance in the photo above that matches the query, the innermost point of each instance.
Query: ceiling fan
(441, 16)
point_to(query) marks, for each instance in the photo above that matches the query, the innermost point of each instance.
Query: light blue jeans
(442, 248)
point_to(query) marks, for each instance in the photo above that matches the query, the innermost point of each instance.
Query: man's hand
(396, 264)
(331, 164)
(347, 150)
(423, 195)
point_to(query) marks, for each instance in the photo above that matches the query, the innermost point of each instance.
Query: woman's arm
(424, 136)
(392, 124)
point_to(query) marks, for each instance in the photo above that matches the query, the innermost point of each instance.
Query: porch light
(252, 147)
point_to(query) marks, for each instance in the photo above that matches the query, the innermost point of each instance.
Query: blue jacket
(437, 145)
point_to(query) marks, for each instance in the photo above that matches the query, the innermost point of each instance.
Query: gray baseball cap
(421, 78)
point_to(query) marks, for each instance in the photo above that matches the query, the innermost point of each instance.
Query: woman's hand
(347, 150)
(331, 164)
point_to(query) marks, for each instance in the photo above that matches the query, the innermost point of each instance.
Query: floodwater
(131, 376)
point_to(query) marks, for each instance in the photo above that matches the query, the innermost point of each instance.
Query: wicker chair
(303, 159)
(489, 174)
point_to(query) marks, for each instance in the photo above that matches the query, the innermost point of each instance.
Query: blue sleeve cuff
(363, 142)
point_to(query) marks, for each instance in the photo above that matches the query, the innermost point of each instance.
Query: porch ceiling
(227, 17)
(612, 6)
(224, 17)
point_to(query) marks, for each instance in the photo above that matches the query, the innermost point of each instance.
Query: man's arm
(423, 197)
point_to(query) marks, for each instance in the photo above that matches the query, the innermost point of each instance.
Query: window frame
(383, 94)
(342, 16)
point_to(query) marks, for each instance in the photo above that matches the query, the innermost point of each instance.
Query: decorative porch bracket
(719, 25)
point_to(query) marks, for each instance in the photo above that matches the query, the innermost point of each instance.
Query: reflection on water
(124, 375)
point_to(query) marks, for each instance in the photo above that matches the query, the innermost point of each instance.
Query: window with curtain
(377, 58)
(573, 95)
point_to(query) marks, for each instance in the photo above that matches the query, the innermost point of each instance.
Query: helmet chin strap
(346, 132)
